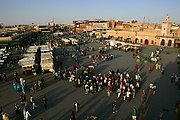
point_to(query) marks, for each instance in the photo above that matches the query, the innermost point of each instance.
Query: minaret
(166, 26)
(52, 24)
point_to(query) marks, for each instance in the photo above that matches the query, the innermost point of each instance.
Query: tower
(166, 26)
(52, 23)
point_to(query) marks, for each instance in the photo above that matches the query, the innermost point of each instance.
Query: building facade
(166, 34)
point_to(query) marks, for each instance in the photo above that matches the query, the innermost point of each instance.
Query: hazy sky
(65, 11)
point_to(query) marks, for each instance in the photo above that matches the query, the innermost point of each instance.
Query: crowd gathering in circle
(120, 82)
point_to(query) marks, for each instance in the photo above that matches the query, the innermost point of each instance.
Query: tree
(134, 21)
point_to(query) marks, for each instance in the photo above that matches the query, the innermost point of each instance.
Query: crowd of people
(20, 86)
(122, 83)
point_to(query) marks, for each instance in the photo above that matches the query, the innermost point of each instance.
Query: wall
(136, 37)
(5, 38)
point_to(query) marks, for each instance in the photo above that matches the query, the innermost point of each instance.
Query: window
(162, 42)
(170, 31)
(170, 43)
(141, 40)
(152, 42)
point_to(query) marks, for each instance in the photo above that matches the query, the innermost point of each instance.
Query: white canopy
(65, 40)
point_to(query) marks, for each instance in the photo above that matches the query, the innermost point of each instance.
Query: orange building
(149, 34)
(90, 25)
(164, 34)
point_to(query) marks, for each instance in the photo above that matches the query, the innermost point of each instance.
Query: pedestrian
(134, 116)
(27, 115)
(161, 116)
(74, 66)
(128, 94)
(19, 87)
(150, 68)
(32, 101)
(160, 66)
(21, 81)
(143, 95)
(114, 106)
(109, 91)
(124, 95)
(91, 89)
(136, 67)
(42, 81)
(34, 104)
(23, 100)
(86, 87)
(72, 116)
(76, 106)
(44, 99)
(1, 77)
(16, 76)
(24, 113)
(35, 87)
(5, 77)
(177, 109)
(1, 111)
(118, 92)
(14, 86)
(162, 70)
(56, 75)
(61, 65)
(5, 116)
(17, 110)
(173, 78)
(79, 82)
(157, 66)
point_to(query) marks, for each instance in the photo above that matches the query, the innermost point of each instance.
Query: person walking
(114, 106)
(16, 76)
(14, 86)
(157, 66)
(162, 70)
(44, 99)
(1, 77)
(5, 77)
(32, 101)
(134, 116)
(136, 67)
(27, 115)
(143, 95)
(17, 110)
(161, 117)
(76, 106)
(1, 111)
(72, 116)
(150, 68)
(5, 116)
(23, 100)
(118, 93)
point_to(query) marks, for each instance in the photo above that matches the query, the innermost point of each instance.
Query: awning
(4, 43)
(14, 42)
(177, 41)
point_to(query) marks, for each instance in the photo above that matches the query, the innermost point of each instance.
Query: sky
(65, 11)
